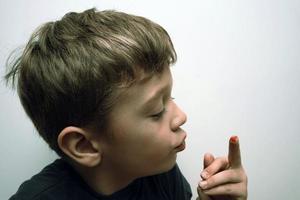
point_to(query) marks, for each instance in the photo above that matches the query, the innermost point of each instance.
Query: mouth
(181, 146)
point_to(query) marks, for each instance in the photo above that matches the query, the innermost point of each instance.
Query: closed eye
(159, 115)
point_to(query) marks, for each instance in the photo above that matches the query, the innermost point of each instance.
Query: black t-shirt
(58, 181)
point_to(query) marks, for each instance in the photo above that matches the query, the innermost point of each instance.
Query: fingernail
(234, 139)
(204, 175)
(203, 184)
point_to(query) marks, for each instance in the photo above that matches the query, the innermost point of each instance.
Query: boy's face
(145, 127)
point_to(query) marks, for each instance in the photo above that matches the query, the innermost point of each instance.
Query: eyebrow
(147, 105)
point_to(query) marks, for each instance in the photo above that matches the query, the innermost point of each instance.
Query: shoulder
(56, 181)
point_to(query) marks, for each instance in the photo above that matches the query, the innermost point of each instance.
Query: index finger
(234, 154)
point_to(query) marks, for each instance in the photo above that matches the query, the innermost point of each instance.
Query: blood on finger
(234, 139)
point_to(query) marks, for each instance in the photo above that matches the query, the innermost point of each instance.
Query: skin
(145, 130)
(143, 138)
(223, 178)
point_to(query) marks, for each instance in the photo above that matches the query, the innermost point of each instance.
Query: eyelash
(161, 113)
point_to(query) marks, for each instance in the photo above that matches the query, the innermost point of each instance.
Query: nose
(179, 118)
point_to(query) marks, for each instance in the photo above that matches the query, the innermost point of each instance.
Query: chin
(160, 167)
(165, 167)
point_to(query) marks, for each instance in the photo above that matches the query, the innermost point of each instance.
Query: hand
(224, 178)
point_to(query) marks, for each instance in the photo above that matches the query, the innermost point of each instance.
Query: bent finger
(217, 165)
(221, 178)
(232, 189)
(208, 159)
(201, 195)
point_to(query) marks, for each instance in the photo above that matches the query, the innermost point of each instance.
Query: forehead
(148, 85)
(145, 88)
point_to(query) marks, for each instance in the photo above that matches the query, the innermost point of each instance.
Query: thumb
(234, 155)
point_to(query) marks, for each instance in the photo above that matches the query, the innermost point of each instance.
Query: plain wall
(238, 73)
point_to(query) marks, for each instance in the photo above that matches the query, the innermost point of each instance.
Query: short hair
(69, 71)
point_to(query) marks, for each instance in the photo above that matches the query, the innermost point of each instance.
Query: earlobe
(77, 144)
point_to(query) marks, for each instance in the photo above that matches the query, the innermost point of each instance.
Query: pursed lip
(181, 146)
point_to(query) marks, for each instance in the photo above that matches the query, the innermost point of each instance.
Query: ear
(78, 144)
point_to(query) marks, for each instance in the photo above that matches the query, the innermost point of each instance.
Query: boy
(97, 86)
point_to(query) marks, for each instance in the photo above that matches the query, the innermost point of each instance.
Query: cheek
(143, 138)
(147, 144)
(146, 152)
(157, 144)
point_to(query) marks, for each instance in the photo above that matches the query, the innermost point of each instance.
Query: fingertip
(204, 175)
(234, 139)
(201, 194)
(208, 155)
(208, 159)
(199, 184)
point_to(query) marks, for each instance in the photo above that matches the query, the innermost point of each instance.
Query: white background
(238, 73)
